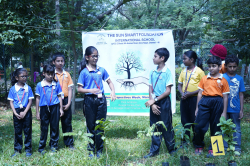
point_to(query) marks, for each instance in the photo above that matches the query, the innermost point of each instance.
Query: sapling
(228, 129)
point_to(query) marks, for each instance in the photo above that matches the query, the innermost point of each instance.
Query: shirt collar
(220, 77)
(185, 70)
(25, 87)
(97, 67)
(43, 83)
(64, 72)
(163, 70)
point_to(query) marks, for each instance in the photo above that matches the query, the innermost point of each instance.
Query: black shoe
(172, 152)
(150, 155)
(71, 147)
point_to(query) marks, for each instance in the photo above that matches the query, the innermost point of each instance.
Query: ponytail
(15, 74)
(199, 63)
(89, 50)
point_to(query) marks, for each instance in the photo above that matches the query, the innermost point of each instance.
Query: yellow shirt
(196, 77)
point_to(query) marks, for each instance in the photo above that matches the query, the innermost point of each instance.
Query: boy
(160, 81)
(236, 97)
(66, 84)
(211, 104)
(221, 52)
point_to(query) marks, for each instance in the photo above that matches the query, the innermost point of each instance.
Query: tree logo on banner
(129, 62)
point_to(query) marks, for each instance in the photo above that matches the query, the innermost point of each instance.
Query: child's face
(187, 61)
(59, 62)
(22, 77)
(48, 76)
(157, 59)
(231, 68)
(93, 58)
(214, 69)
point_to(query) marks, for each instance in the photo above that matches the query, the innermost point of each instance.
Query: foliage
(150, 131)
(228, 129)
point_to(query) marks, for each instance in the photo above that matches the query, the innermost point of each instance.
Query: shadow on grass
(123, 132)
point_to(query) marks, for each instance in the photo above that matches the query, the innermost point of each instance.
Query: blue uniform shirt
(25, 92)
(236, 85)
(46, 100)
(87, 82)
(164, 80)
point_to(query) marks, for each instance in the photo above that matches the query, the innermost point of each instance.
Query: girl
(188, 87)
(90, 83)
(49, 100)
(20, 96)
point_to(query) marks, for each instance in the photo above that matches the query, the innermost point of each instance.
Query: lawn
(124, 147)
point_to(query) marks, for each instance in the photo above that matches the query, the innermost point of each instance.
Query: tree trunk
(57, 11)
(156, 15)
(32, 64)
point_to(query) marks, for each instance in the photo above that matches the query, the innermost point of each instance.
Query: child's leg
(188, 107)
(202, 121)
(66, 121)
(216, 110)
(27, 127)
(236, 121)
(90, 115)
(44, 124)
(166, 117)
(101, 114)
(18, 127)
(54, 125)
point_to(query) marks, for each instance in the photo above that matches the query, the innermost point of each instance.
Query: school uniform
(66, 82)
(22, 94)
(223, 68)
(189, 80)
(49, 98)
(210, 107)
(95, 108)
(236, 85)
(160, 80)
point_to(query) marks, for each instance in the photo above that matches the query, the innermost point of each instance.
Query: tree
(127, 62)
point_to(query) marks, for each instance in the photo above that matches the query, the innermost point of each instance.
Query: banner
(127, 55)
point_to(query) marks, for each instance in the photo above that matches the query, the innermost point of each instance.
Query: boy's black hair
(15, 74)
(231, 59)
(49, 69)
(214, 60)
(58, 54)
(163, 52)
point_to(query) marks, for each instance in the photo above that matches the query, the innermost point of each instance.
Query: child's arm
(162, 96)
(37, 107)
(155, 108)
(80, 89)
(61, 105)
(111, 86)
(14, 110)
(198, 100)
(180, 89)
(225, 102)
(22, 114)
(241, 105)
(66, 107)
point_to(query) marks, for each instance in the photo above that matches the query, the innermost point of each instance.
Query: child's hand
(96, 91)
(61, 112)
(22, 114)
(155, 109)
(38, 116)
(113, 96)
(66, 107)
(224, 114)
(149, 103)
(17, 115)
(241, 115)
(196, 111)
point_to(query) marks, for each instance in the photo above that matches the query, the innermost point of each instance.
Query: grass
(124, 148)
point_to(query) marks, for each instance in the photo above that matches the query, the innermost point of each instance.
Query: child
(160, 81)
(20, 96)
(48, 98)
(236, 97)
(188, 87)
(221, 52)
(90, 83)
(211, 104)
(66, 84)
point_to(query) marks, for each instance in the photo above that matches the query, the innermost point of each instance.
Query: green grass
(124, 148)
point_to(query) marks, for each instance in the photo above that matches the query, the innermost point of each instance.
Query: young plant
(179, 131)
(228, 129)
(148, 132)
(103, 125)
